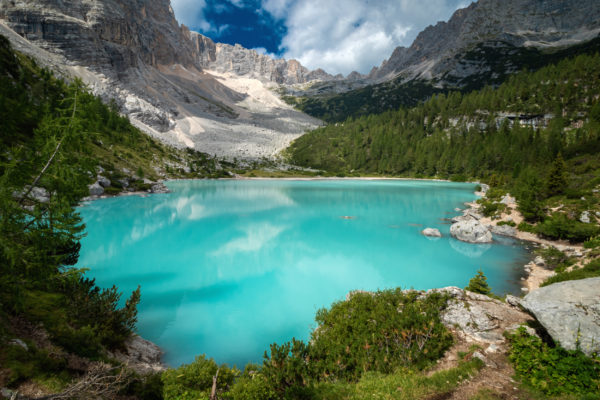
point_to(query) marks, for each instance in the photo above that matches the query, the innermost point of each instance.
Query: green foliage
(592, 243)
(555, 258)
(507, 223)
(553, 370)
(378, 332)
(402, 384)
(560, 227)
(146, 387)
(591, 270)
(251, 385)
(478, 284)
(32, 363)
(287, 370)
(491, 208)
(530, 191)
(194, 381)
(557, 179)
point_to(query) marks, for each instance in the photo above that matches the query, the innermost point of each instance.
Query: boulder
(431, 232)
(539, 260)
(471, 231)
(585, 217)
(141, 355)
(504, 230)
(40, 194)
(570, 312)
(478, 317)
(103, 181)
(96, 189)
(159, 187)
(508, 199)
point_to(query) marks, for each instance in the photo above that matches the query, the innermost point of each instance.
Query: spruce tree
(478, 284)
(557, 179)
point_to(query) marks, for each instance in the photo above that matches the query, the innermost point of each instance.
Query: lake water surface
(228, 267)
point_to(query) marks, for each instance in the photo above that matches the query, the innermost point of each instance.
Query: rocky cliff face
(436, 52)
(135, 52)
(248, 63)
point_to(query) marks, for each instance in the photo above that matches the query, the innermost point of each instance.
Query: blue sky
(339, 36)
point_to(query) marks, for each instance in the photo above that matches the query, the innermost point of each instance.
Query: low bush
(560, 227)
(378, 332)
(555, 259)
(592, 243)
(590, 270)
(194, 381)
(553, 370)
(507, 223)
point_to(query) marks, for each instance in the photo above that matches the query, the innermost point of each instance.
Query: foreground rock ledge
(570, 312)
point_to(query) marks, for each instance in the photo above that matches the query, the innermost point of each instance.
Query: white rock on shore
(471, 231)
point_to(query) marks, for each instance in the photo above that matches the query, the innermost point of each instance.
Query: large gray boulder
(570, 312)
(96, 189)
(471, 231)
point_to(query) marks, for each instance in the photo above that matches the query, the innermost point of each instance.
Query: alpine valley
(101, 98)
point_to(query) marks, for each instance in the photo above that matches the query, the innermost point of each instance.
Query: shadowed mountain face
(135, 52)
(510, 23)
(186, 90)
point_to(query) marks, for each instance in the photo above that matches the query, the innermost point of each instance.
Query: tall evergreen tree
(557, 179)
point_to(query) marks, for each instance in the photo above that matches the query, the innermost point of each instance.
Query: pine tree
(557, 179)
(478, 284)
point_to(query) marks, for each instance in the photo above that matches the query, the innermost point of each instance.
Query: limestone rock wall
(516, 22)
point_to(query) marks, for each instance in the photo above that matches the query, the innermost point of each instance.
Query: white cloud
(255, 238)
(353, 34)
(191, 13)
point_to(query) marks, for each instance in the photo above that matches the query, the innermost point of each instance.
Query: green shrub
(592, 243)
(478, 284)
(590, 270)
(525, 227)
(194, 381)
(560, 227)
(251, 385)
(287, 370)
(508, 223)
(553, 370)
(378, 332)
(555, 259)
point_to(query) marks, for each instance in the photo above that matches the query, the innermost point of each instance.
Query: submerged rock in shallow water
(431, 232)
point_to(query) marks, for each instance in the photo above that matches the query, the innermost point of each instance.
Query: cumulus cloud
(353, 34)
(191, 13)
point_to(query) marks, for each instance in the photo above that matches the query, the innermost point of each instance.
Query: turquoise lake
(228, 267)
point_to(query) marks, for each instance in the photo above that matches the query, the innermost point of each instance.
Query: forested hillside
(55, 137)
(516, 135)
(501, 58)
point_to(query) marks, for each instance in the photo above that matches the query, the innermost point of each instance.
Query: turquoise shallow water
(228, 267)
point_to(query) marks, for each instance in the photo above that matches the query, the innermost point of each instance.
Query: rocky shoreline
(535, 270)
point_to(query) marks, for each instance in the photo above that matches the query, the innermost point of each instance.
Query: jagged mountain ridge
(435, 53)
(136, 53)
(240, 61)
